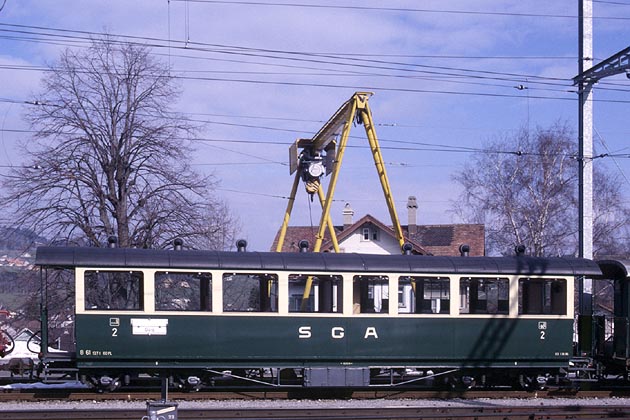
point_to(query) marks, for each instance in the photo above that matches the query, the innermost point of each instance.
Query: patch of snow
(40, 385)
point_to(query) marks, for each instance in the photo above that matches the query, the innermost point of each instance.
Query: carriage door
(622, 300)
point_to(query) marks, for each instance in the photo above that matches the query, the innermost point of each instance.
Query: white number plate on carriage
(148, 326)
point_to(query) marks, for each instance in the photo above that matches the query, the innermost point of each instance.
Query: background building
(371, 236)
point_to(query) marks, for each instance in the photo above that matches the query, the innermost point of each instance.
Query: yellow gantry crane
(311, 159)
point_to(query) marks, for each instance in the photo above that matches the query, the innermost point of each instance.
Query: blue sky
(262, 73)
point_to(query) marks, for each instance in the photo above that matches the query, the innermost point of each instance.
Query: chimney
(412, 209)
(348, 213)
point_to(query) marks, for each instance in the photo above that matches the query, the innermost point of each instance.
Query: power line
(462, 73)
(619, 168)
(445, 79)
(433, 146)
(458, 57)
(397, 9)
(616, 3)
(409, 146)
(390, 89)
(317, 58)
(82, 42)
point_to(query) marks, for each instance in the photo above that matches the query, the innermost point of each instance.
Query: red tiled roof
(446, 239)
(427, 239)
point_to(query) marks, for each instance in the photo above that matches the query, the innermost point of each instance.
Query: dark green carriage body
(153, 341)
(610, 334)
(293, 341)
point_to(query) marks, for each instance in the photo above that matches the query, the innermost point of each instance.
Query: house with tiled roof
(370, 235)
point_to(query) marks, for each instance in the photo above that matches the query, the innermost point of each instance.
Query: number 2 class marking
(542, 335)
(114, 332)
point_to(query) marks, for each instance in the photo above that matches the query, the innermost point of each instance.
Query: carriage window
(113, 290)
(324, 293)
(484, 295)
(423, 295)
(181, 291)
(370, 294)
(250, 292)
(542, 296)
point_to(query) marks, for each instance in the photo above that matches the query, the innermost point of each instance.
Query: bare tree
(611, 224)
(524, 189)
(109, 159)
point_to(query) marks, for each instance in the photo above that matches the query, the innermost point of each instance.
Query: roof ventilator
(303, 246)
(520, 250)
(464, 250)
(241, 245)
(112, 242)
(178, 243)
(407, 248)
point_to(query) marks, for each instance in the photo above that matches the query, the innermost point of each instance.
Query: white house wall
(385, 244)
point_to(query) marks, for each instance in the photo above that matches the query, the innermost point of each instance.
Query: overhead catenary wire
(395, 9)
(232, 49)
(274, 128)
(85, 40)
(616, 3)
(462, 73)
(235, 80)
(612, 155)
(507, 76)
(264, 53)
(444, 78)
(408, 146)
(291, 55)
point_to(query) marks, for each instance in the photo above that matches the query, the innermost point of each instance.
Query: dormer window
(369, 234)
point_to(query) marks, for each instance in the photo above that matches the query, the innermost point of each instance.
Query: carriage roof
(70, 257)
(615, 269)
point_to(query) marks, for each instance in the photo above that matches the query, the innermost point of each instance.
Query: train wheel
(531, 382)
(452, 383)
(448, 382)
(459, 383)
(187, 384)
(469, 382)
(105, 383)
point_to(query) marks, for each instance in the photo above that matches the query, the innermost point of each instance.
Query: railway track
(403, 413)
(86, 395)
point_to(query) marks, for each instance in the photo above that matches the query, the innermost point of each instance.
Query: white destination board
(148, 326)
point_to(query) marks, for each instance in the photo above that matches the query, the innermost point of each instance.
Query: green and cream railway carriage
(318, 319)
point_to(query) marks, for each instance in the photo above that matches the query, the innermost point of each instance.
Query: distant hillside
(16, 241)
